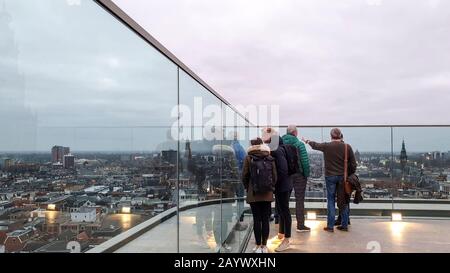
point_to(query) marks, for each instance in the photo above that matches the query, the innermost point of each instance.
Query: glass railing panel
(234, 151)
(244, 213)
(200, 168)
(372, 150)
(314, 195)
(73, 76)
(421, 168)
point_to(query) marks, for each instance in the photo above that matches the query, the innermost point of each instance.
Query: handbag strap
(345, 163)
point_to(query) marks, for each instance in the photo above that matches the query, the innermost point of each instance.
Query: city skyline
(109, 143)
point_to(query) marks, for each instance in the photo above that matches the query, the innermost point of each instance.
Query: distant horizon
(148, 152)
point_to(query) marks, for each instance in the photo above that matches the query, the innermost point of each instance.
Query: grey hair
(291, 129)
(336, 134)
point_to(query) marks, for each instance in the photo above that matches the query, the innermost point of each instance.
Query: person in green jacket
(300, 179)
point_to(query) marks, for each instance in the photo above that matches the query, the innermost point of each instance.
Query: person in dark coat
(283, 188)
(334, 154)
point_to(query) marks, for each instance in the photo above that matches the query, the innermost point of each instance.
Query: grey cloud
(389, 62)
(316, 59)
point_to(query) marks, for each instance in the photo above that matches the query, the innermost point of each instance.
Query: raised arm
(314, 145)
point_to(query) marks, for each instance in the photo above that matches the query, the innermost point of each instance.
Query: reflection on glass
(200, 165)
(84, 122)
(397, 229)
(125, 221)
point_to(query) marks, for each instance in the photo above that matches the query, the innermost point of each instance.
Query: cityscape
(109, 143)
(50, 199)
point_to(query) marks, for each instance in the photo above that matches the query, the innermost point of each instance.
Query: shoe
(303, 229)
(277, 221)
(255, 249)
(339, 223)
(264, 249)
(341, 228)
(283, 246)
(328, 229)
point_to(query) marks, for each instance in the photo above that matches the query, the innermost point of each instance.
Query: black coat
(278, 152)
(343, 198)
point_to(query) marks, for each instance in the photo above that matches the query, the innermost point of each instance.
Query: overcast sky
(71, 74)
(322, 61)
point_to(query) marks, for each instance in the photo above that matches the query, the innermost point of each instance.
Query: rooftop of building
(86, 209)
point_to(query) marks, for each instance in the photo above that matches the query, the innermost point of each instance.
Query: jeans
(261, 216)
(299, 182)
(284, 214)
(332, 183)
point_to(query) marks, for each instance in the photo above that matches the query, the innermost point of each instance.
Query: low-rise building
(84, 214)
(78, 227)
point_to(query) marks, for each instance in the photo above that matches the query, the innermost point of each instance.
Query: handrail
(251, 126)
(365, 126)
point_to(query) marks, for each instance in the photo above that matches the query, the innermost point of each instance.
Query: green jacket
(303, 160)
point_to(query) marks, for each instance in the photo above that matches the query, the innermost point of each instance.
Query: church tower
(188, 150)
(403, 159)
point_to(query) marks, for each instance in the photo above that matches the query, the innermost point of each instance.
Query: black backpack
(261, 174)
(291, 158)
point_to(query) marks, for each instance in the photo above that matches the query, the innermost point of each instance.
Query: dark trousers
(275, 214)
(299, 182)
(339, 219)
(261, 217)
(284, 214)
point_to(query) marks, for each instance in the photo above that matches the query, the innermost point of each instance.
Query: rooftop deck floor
(368, 235)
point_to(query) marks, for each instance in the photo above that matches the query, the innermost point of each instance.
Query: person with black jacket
(283, 187)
